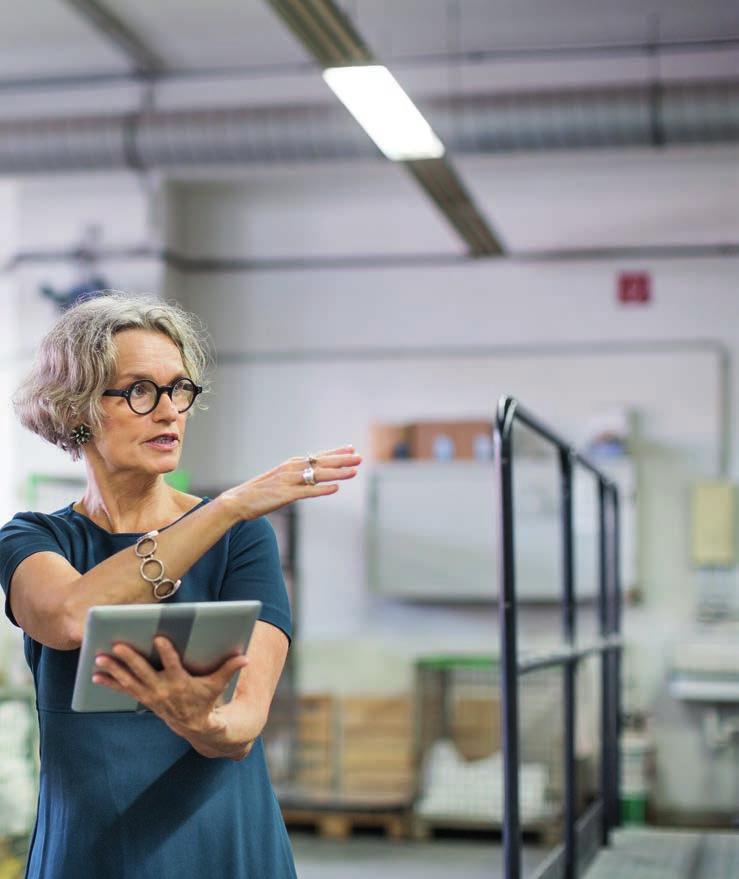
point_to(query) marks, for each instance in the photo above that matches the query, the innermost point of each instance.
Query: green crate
(634, 809)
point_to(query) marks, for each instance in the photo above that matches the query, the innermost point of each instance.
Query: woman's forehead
(142, 351)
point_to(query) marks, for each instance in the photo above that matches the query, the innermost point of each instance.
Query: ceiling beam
(329, 35)
(145, 60)
(325, 31)
(450, 195)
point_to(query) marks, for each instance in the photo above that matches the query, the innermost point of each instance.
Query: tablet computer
(203, 633)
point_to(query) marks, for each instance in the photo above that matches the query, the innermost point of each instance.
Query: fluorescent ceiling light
(375, 99)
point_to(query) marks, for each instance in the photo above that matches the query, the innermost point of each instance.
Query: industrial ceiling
(88, 84)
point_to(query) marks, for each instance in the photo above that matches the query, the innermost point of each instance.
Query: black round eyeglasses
(143, 396)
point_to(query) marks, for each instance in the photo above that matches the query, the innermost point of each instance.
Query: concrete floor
(634, 854)
(370, 857)
(668, 854)
(375, 857)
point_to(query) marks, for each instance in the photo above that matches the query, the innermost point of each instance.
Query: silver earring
(80, 435)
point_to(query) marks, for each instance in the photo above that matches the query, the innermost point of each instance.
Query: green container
(634, 808)
(178, 479)
(452, 662)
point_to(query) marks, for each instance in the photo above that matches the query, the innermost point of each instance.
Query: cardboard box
(376, 750)
(381, 714)
(458, 439)
(387, 755)
(316, 779)
(386, 439)
(315, 742)
(377, 783)
(476, 727)
(313, 757)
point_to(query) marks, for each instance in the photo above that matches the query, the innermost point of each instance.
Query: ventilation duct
(674, 114)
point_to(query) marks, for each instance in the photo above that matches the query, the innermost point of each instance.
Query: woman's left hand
(185, 702)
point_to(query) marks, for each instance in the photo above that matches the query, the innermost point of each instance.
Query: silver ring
(309, 477)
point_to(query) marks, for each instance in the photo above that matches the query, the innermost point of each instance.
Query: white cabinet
(432, 530)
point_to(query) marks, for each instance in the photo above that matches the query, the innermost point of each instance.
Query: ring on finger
(309, 476)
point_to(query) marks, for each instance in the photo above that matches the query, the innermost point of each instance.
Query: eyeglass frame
(161, 389)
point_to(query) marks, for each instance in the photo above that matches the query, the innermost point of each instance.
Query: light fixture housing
(376, 100)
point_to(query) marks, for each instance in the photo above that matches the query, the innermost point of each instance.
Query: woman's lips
(163, 445)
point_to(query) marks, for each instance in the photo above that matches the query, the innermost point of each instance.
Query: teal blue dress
(121, 796)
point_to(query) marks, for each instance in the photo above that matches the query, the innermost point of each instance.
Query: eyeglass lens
(143, 396)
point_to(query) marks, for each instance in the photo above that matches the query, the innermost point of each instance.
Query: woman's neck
(130, 503)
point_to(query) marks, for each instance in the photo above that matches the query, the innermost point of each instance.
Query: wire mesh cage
(458, 740)
(342, 748)
(459, 746)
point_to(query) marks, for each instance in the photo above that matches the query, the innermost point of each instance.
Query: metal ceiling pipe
(584, 119)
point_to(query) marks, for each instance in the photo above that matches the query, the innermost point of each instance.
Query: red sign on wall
(634, 288)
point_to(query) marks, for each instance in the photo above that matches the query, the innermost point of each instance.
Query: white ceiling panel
(341, 210)
(403, 27)
(194, 34)
(48, 38)
(566, 201)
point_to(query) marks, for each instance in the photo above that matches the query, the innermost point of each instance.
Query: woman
(181, 790)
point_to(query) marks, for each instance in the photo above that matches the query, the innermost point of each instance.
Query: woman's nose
(166, 408)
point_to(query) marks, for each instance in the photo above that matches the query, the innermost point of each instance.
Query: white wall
(48, 215)
(8, 234)
(313, 355)
(52, 216)
(322, 388)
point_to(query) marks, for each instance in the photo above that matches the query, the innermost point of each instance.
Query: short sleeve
(24, 535)
(254, 572)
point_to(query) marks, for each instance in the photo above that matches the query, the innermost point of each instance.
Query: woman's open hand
(185, 702)
(284, 484)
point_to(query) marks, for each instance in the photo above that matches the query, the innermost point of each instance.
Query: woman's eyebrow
(137, 376)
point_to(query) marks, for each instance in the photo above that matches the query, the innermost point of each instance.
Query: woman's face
(126, 440)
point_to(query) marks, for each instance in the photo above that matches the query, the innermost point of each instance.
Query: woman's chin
(166, 464)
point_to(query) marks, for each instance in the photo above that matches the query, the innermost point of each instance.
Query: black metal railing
(570, 858)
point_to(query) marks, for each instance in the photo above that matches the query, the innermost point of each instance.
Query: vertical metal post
(570, 667)
(288, 681)
(508, 649)
(611, 662)
(616, 658)
(605, 662)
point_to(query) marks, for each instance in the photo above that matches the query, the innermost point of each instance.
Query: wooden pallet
(336, 816)
(422, 827)
(341, 824)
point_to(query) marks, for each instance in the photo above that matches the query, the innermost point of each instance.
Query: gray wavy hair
(76, 362)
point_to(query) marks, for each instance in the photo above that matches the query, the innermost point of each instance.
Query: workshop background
(576, 245)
